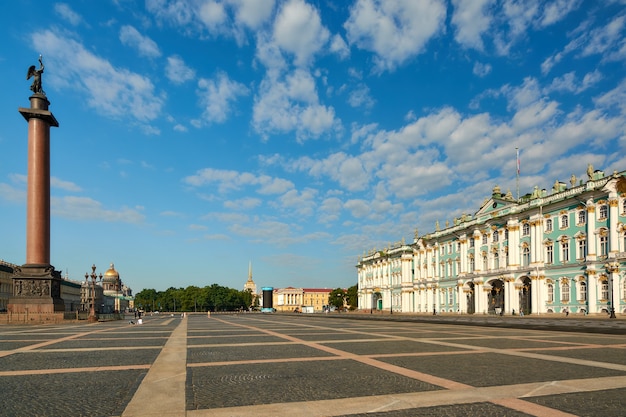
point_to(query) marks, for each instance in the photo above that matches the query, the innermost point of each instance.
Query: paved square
(311, 365)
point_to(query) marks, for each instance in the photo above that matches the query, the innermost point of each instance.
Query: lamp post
(92, 311)
(613, 268)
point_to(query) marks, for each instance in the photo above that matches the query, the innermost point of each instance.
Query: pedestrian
(566, 312)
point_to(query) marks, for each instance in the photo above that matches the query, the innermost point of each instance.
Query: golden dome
(111, 274)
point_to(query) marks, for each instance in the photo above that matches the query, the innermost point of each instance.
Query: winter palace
(562, 251)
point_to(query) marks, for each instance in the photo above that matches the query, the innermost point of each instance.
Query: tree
(353, 297)
(336, 298)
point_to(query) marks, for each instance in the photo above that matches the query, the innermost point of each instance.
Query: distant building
(289, 299)
(6, 283)
(111, 294)
(71, 293)
(251, 286)
(545, 253)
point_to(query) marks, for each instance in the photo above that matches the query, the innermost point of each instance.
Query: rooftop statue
(36, 74)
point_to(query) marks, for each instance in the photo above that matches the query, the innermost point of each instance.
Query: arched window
(564, 251)
(549, 253)
(582, 293)
(485, 239)
(604, 289)
(564, 221)
(548, 225)
(496, 260)
(525, 229)
(564, 291)
(495, 236)
(604, 245)
(485, 261)
(525, 256)
(472, 264)
(582, 249)
(550, 293)
(582, 217)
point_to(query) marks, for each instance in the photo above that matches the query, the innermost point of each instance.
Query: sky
(198, 137)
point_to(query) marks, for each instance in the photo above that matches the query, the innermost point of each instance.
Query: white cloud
(298, 30)
(246, 203)
(471, 19)
(217, 95)
(481, 70)
(339, 47)
(394, 30)
(177, 71)
(64, 185)
(84, 208)
(361, 97)
(252, 13)
(291, 104)
(228, 180)
(115, 92)
(145, 46)
(69, 15)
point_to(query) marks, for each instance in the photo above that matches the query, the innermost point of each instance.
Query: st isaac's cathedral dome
(111, 281)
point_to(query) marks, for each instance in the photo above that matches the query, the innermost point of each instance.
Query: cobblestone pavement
(313, 365)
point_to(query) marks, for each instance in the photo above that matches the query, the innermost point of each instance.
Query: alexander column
(36, 284)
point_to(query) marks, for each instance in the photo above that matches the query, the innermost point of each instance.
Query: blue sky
(198, 136)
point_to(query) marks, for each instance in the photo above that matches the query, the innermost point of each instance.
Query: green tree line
(210, 298)
(218, 298)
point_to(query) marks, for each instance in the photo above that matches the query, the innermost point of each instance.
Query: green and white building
(548, 252)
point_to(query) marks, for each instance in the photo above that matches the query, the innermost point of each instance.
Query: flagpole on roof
(517, 164)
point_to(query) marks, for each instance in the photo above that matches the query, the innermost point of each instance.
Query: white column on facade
(463, 254)
(613, 217)
(592, 291)
(542, 293)
(509, 291)
(591, 230)
(480, 298)
(534, 300)
(514, 241)
(461, 297)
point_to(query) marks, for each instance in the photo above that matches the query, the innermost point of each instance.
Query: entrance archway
(471, 299)
(496, 297)
(377, 301)
(525, 299)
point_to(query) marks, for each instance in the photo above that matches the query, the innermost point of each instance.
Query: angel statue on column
(36, 74)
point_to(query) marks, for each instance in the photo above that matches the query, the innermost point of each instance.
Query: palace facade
(557, 252)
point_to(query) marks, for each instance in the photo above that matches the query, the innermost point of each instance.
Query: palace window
(624, 206)
(624, 290)
(550, 253)
(485, 239)
(582, 296)
(525, 256)
(471, 264)
(525, 229)
(564, 221)
(604, 245)
(471, 245)
(450, 296)
(485, 262)
(582, 249)
(565, 292)
(496, 260)
(550, 293)
(604, 290)
(582, 217)
(548, 225)
(495, 236)
(604, 211)
(506, 234)
(564, 251)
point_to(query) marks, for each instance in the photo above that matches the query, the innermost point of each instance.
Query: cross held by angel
(36, 74)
